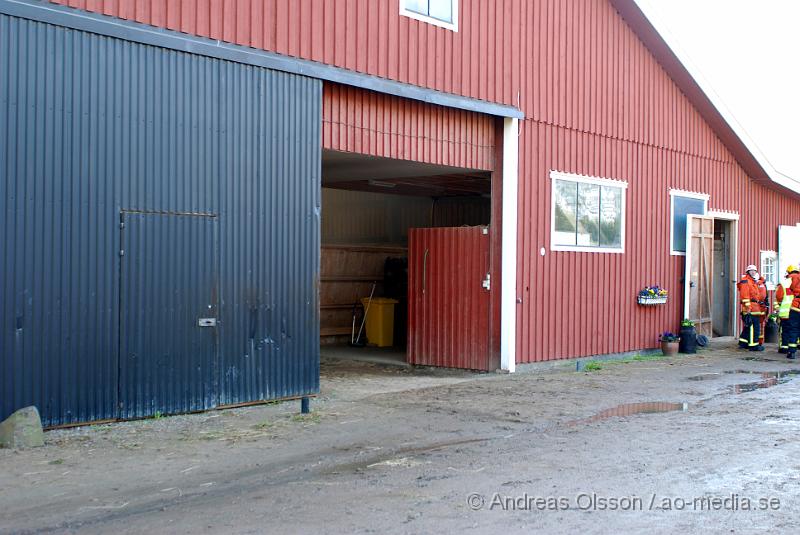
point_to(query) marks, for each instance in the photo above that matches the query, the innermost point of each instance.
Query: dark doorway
(168, 321)
(371, 206)
(721, 325)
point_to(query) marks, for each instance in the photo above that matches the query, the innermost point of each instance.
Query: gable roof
(704, 99)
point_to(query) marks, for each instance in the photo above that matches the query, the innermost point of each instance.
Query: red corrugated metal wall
(607, 283)
(367, 36)
(572, 63)
(596, 102)
(357, 120)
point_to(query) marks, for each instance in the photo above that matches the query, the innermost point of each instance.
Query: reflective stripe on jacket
(783, 299)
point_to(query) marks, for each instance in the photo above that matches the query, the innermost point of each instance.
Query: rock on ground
(23, 429)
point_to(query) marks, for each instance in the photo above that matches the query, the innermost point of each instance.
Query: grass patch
(263, 425)
(639, 358)
(597, 365)
(313, 418)
(592, 366)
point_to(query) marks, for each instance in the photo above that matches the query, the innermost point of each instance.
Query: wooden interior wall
(346, 275)
(366, 218)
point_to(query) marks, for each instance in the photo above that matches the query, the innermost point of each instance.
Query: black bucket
(688, 343)
(771, 332)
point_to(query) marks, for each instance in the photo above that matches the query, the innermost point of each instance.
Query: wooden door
(699, 280)
(448, 297)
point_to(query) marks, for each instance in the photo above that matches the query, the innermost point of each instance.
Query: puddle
(768, 379)
(630, 409)
(402, 462)
(717, 375)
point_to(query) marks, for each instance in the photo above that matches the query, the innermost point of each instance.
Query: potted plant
(688, 337)
(652, 295)
(669, 343)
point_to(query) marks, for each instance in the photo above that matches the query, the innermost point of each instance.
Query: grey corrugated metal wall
(91, 126)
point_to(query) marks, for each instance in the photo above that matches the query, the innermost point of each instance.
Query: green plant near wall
(592, 367)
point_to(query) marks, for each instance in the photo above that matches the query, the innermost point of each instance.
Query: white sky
(749, 52)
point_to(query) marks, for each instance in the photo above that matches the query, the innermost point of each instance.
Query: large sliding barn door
(699, 281)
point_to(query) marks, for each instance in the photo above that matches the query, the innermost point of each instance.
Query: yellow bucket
(380, 320)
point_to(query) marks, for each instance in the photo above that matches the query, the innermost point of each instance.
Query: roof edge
(700, 93)
(149, 35)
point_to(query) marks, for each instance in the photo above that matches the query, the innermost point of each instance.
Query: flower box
(655, 300)
(652, 295)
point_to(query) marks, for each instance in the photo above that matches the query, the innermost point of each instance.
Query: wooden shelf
(369, 248)
(338, 306)
(335, 331)
(347, 278)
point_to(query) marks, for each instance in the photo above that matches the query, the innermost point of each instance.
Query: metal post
(305, 405)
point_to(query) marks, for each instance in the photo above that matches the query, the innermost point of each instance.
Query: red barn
(533, 162)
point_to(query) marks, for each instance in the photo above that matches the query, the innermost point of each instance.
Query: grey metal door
(168, 314)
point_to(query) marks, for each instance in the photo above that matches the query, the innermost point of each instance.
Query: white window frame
(687, 194)
(583, 179)
(773, 255)
(452, 26)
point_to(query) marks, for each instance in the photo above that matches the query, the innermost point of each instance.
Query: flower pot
(688, 342)
(771, 331)
(669, 348)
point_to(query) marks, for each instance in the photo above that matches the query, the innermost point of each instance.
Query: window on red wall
(442, 13)
(588, 214)
(769, 263)
(683, 203)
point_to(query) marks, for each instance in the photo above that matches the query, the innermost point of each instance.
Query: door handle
(487, 282)
(424, 270)
(207, 322)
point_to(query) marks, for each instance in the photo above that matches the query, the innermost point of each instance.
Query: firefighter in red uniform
(753, 296)
(790, 326)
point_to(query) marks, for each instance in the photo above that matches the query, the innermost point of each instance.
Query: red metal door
(448, 297)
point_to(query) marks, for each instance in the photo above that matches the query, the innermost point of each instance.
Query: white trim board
(722, 214)
(508, 266)
(689, 194)
(586, 179)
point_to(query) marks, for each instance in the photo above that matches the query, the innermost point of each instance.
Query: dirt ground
(403, 450)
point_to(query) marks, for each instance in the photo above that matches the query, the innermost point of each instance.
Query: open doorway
(369, 206)
(724, 285)
(711, 260)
